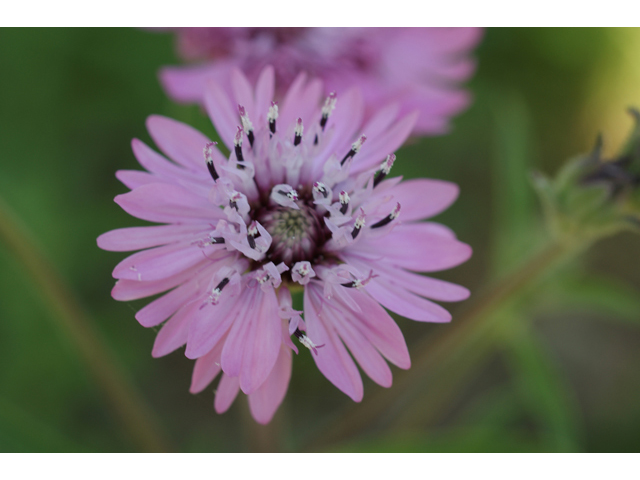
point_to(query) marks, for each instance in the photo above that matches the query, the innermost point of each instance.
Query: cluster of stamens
(288, 226)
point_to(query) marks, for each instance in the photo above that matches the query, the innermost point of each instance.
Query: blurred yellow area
(613, 87)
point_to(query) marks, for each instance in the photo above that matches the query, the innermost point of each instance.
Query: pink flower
(303, 201)
(420, 68)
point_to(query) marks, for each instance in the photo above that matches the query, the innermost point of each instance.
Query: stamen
(386, 220)
(209, 159)
(214, 298)
(233, 199)
(246, 124)
(237, 144)
(344, 201)
(263, 276)
(327, 108)
(291, 194)
(321, 188)
(209, 241)
(303, 269)
(358, 225)
(270, 273)
(385, 168)
(302, 272)
(272, 116)
(222, 284)
(252, 234)
(306, 341)
(298, 133)
(355, 148)
(357, 283)
(285, 196)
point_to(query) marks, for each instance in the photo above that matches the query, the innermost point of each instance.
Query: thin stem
(128, 405)
(469, 331)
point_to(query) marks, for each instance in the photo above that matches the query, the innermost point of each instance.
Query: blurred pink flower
(421, 68)
(303, 201)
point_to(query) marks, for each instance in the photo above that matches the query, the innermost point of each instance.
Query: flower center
(297, 234)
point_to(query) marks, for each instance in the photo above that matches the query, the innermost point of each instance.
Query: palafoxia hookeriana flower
(420, 68)
(303, 200)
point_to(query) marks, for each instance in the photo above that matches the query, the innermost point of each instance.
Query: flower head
(419, 68)
(290, 207)
(592, 196)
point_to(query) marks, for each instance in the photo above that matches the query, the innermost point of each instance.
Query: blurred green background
(566, 377)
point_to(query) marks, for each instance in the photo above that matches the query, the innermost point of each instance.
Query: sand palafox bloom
(304, 200)
(420, 68)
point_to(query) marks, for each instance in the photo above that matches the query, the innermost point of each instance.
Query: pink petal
(376, 149)
(450, 41)
(226, 393)
(231, 359)
(301, 101)
(210, 324)
(288, 111)
(262, 343)
(332, 360)
(137, 238)
(460, 69)
(243, 93)
(345, 120)
(206, 369)
(162, 308)
(415, 247)
(133, 179)
(166, 203)
(365, 354)
(264, 402)
(423, 198)
(166, 261)
(169, 171)
(222, 113)
(407, 304)
(382, 120)
(380, 329)
(265, 88)
(437, 107)
(178, 141)
(310, 100)
(187, 84)
(432, 288)
(252, 347)
(173, 334)
(126, 290)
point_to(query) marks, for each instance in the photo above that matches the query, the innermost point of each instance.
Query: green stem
(128, 405)
(466, 335)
